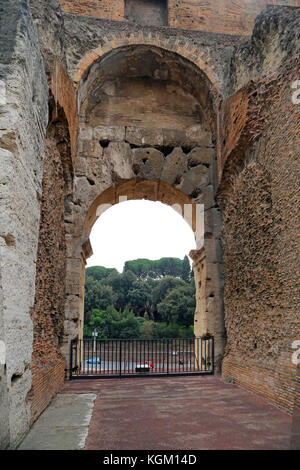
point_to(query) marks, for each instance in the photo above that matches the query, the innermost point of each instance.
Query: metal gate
(91, 358)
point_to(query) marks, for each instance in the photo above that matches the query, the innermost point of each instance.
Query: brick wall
(112, 9)
(47, 314)
(260, 243)
(222, 16)
(46, 383)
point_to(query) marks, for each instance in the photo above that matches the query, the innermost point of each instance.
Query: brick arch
(137, 189)
(198, 58)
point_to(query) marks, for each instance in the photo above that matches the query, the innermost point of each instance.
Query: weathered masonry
(176, 102)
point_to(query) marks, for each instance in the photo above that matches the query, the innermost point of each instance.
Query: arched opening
(139, 229)
(140, 255)
(146, 131)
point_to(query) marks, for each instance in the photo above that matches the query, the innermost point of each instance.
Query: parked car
(94, 360)
(144, 366)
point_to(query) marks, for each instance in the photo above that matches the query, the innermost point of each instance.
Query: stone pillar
(74, 309)
(209, 319)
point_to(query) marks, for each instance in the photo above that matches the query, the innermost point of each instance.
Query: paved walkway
(63, 425)
(175, 413)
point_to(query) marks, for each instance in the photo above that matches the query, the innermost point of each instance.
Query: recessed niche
(147, 12)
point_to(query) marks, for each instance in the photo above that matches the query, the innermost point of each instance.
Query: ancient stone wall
(113, 10)
(144, 12)
(224, 96)
(218, 16)
(23, 119)
(261, 223)
(48, 311)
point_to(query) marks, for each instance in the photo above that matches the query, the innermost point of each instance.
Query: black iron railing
(93, 358)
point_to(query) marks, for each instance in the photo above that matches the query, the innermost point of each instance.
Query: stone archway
(147, 129)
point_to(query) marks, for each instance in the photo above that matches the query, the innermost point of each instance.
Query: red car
(144, 366)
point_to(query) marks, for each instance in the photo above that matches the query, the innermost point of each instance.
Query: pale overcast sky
(139, 229)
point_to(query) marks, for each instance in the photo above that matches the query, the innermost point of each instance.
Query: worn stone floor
(63, 425)
(175, 413)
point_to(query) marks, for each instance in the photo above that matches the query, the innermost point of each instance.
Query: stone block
(213, 250)
(144, 136)
(195, 179)
(173, 137)
(85, 133)
(175, 167)
(109, 133)
(72, 307)
(120, 156)
(213, 222)
(81, 167)
(205, 196)
(196, 135)
(201, 155)
(148, 163)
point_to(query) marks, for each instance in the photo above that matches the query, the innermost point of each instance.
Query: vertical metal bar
(167, 356)
(161, 363)
(97, 355)
(114, 356)
(101, 356)
(201, 354)
(93, 356)
(128, 355)
(80, 356)
(83, 355)
(111, 355)
(104, 356)
(140, 350)
(123, 356)
(143, 344)
(115, 361)
(174, 355)
(71, 358)
(120, 356)
(152, 354)
(213, 354)
(179, 355)
(131, 355)
(88, 354)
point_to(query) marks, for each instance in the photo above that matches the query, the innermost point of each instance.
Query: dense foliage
(149, 299)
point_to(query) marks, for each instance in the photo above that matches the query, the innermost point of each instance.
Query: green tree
(139, 297)
(186, 269)
(121, 284)
(97, 295)
(178, 306)
(99, 273)
(163, 286)
(111, 323)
